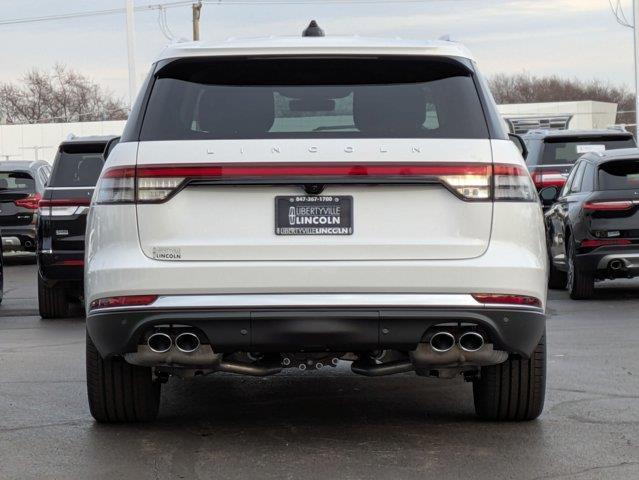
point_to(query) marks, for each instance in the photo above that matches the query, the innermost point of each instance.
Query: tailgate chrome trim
(316, 300)
(303, 300)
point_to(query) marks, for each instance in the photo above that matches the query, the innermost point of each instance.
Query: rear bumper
(58, 265)
(599, 261)
(19, 238)
(294, 323)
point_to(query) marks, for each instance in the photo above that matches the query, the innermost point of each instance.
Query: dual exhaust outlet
(442, 342)
(161, 342)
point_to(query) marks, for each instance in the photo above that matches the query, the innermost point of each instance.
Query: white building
(40, 141)
(586, 115)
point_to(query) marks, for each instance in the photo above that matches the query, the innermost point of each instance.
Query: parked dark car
(62, 222)
(593, 225)
(552, 153)
(21, 187)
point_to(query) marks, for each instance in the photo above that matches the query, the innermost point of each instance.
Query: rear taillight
(63, 207)
(116, 185)
(123, 301)
(30, 203)
(506, 299)
(601, 243)
(548, 178)
(156, 183)
(513, 183)
(618, 206)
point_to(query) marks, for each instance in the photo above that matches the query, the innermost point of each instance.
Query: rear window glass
(568, 150)
(77, 167)
(619, 175)
(17, 182)
(313, 98)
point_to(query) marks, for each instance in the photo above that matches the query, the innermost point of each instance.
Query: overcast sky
(572, 38)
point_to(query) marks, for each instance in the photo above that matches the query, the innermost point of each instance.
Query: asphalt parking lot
(325, 425)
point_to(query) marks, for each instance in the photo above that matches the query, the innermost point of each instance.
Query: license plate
(321, 215)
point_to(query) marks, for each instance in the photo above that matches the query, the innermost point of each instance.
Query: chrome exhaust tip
(187, 342)
(616, 265)
(471, 342)
(159, 342)
(442, 342)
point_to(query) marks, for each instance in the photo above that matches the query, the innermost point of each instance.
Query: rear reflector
(123, 301)
(505, 299)
(70, 263)
(30, 203)
(601, 243)
(470, 181)
(608, 206)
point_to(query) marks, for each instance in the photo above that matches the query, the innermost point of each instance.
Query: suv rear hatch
(559, 154)
(383, 158)
(18, 198)
(68, 194)
(614, 207)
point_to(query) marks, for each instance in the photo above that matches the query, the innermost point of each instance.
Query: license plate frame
(308, 215)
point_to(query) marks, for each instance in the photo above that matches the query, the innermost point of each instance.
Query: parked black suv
(21, 186)
(593, 226)
(62, 222)
(552, 153)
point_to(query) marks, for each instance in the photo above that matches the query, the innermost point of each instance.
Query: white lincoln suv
(306, 202)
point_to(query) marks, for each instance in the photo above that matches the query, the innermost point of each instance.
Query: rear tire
(581, 285)
(514, 390)
(52, 300)
(118, 391)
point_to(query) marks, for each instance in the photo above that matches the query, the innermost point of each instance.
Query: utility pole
(635, 8)
(130, 47)
(197, 12)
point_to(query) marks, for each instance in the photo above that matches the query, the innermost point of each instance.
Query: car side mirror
(520, 144)
(548, 195)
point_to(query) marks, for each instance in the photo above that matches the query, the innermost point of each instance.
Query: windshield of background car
(562, 150)
(77, 166)
(17, 182)
(619, 175)
(205, 98)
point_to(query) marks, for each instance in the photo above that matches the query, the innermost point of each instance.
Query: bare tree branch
(63, 95)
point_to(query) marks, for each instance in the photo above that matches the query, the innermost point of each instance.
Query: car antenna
(313, 30)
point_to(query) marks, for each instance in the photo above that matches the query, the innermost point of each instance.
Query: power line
(92, 13)
(618, 12)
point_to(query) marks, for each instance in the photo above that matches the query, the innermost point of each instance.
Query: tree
(62, 95)
(527, 88)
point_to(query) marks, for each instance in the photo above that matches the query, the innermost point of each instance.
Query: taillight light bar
(507, 299)
(601, 243)
(30, 203)
(470, 181)
(123, 301)
(548, 178)
(606, 206)
(63, 207)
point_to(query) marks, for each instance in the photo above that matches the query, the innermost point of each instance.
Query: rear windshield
(313, 98)
(559, 151)
(17, 182)
(77, 166)
(619, 175)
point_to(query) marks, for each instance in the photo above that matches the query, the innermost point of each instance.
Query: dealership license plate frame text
(308, 215)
